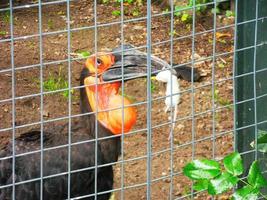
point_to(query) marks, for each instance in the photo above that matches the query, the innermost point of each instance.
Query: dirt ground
(207, 134)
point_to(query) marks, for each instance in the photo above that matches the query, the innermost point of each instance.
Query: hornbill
(55, 164)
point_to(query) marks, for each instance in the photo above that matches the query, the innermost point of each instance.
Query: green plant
(135, 12)
(220, 100)
(186, 18)
(153, 86)
(224, 102)
(31, 44)
(221, 65)
(229, 13)
(105, 1)
(58, 82)
(172, 33)
(185, 12)
(216, 10)
(50, 24)
(208, 175)
(6, 17)
(223, 41)
(186, 190)
(83, 54)
(116, 13)
(125, 1)
(166, 11)
(3, 33)
(216, 94)
(261, 141)
(198, 4)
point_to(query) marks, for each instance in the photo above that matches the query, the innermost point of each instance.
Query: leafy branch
(261, 141)
(208, 175)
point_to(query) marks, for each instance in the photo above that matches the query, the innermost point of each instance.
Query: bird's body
(55, 162)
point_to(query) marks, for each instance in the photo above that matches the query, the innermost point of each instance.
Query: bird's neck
(110, 147)
(106, 104)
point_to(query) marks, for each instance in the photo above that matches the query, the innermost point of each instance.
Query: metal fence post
(251, 115)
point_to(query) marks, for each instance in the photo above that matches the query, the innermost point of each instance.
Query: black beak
(132, 65)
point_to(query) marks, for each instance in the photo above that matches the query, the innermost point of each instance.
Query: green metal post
(251, 29)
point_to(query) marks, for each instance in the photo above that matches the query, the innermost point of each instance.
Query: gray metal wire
(70, 101)
(96, 99)
(172, 114)
(254, 80)
(123, 106)
(13, 101)
(234, 75)
(148, 102)
(193, 133)
(213, 77)
(42, 97)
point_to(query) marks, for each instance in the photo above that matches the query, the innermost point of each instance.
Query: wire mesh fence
(81, 116)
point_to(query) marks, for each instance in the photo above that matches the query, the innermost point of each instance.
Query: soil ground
(207, 134)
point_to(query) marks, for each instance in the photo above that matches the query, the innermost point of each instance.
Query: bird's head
(97, 65)
(102, 77)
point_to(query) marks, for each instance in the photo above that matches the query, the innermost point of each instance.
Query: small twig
(202, 27)
(222, 60)
(81, 48)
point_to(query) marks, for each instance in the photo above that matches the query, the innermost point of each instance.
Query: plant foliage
(208, 175)
(58, 82)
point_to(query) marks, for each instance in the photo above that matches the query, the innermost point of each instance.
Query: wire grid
(192, 116)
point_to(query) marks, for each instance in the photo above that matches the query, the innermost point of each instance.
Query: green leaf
(229, 13)
(262, 147)
(177, 11)
(255, 177)
(135, 13)
(3, 33)
(202, 169)
(246, 193)
(262, 141)
(217, 10)
(201, 185)
(116, 12)
(222, 183)
(233, 164)
(178, 8)
(83, 54)
(185, 17)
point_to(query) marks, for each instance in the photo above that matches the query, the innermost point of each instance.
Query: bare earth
(212, 121)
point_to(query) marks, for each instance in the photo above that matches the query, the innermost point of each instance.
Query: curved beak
(132, 64)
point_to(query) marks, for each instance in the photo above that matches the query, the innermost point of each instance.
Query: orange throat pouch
(104, 99)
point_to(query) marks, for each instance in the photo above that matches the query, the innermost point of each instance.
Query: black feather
(55, 161)
(185, 72)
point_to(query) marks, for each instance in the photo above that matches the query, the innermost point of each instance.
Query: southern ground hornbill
(82, 153)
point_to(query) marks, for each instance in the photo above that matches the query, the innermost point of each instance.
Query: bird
(95, 136)
(82, 156)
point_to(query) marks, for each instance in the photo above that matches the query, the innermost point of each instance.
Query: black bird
(55, 163)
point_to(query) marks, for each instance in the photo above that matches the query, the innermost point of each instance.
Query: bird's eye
(98, 61)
